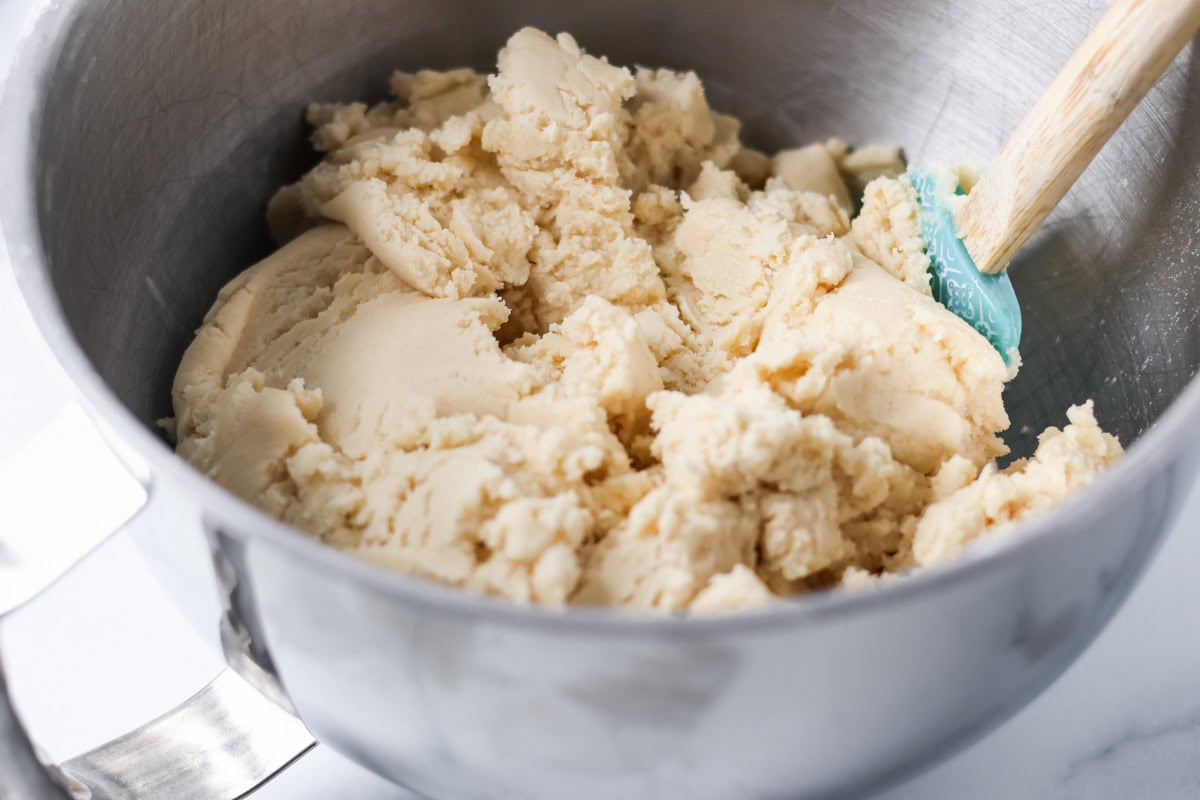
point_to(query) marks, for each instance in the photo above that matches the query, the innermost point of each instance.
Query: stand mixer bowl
(141, 142)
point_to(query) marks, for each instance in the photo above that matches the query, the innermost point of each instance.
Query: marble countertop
(104, 651)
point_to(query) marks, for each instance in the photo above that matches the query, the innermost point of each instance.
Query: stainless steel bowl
(140, 143)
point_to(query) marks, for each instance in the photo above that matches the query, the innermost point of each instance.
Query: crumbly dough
(554, 334)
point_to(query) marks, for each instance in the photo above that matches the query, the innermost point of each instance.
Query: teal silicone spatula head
(987, 302)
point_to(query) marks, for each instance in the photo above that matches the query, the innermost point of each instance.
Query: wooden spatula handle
(1111, 71)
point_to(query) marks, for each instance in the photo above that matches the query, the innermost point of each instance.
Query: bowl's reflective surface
(168, 125)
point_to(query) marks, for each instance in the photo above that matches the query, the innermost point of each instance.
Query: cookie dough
(555, 334)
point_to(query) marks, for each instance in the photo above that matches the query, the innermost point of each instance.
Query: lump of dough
(364, 338)
(599, 351)
(558, 141)
(736, 590)
(770, 475)
(486, 505)
(336, 397)
(445, 227)
(673, 132)
(888, 231)
(666, 550)
(722, 262)
(1065, 461)
(424, 100)
(809, 485)
(812, 169)
(262, 443)
(260, 309)
(861, 165)
(883, 360)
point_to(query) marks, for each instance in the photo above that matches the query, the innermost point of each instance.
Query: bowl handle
(64, 493)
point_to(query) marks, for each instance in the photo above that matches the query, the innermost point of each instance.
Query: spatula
(973, 232)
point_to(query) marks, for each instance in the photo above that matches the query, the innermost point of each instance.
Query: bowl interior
(166, 127)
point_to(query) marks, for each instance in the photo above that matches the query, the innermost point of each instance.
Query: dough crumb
(1065, 461)
(735, 590)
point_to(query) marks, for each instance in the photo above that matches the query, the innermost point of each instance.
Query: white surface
(104, 650)
(33, 502)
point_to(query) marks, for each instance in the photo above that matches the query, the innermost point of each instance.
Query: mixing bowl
(140, 144)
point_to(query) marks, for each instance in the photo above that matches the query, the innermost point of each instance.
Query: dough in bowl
(555, 334)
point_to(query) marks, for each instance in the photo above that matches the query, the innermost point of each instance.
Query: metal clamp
(220, 744)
